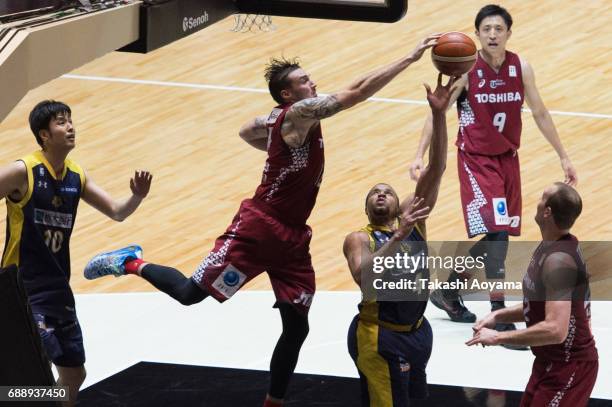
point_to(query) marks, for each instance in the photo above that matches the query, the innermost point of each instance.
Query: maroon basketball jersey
(490, 109)
(292, 176)
(579, 344)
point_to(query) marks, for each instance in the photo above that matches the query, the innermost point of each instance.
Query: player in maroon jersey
(556, 309)
(269, 232)
(489, 100)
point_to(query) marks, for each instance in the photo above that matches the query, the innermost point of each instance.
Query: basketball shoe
(111, 262)
(451, 302)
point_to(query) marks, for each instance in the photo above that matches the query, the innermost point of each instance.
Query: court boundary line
(255, 90)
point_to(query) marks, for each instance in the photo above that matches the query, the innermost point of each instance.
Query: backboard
(385, 11)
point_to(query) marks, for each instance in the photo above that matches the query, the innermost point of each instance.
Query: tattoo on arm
(316, 108)
(255, 129)
(260, 123)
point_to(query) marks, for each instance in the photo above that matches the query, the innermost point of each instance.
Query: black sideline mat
(149, 384)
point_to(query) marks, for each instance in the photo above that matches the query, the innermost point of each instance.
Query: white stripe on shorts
(476, 224)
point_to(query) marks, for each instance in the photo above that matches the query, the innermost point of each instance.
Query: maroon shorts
(490, 192)
(560, 383)
(255, 242)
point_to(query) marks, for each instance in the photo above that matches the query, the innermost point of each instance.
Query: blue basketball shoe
(112, 262)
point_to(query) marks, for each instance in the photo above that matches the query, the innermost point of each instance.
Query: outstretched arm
(545, 123)
(417, 165)
(114, 209)
(428, 184)
(303, 114)
(255, 132)
(369, 84)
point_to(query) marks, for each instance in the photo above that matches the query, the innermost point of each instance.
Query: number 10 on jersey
(54, 240)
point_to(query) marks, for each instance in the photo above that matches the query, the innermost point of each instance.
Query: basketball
(454, 54)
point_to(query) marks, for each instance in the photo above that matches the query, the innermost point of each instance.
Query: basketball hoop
(252, 22)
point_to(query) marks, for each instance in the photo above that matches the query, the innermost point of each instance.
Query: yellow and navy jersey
(38, 231)
(403, 314)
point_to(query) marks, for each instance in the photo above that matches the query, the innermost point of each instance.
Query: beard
(381, 212)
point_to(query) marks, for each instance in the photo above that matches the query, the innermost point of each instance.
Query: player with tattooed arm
(269, 232)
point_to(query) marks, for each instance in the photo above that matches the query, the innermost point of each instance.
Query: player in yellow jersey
(390, 341)
(42, 192)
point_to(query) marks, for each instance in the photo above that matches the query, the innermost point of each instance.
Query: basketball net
(244, 23)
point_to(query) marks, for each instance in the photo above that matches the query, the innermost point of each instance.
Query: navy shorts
(62, 340)
(391, 364)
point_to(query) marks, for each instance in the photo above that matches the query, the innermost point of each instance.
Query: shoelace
(460, 302)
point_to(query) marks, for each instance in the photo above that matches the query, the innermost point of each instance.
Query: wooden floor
(187, 136)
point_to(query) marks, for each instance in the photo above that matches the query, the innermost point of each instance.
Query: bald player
(556, 309)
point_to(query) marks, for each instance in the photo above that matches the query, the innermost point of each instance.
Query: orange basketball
(454, 54)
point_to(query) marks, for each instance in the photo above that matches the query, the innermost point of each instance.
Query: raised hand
(411, 216)
(415, 169)
(427, 42)
(439, 98)
(140, 184)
